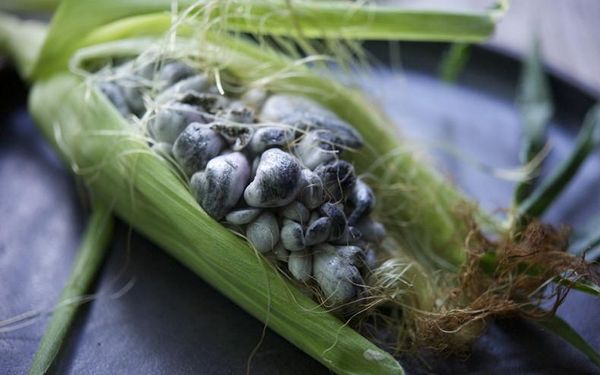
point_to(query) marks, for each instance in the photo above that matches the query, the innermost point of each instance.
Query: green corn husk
(535, 108)
(75, 19)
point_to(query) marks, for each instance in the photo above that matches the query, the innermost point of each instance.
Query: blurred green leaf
(454, 61)
(76, 19)
(580, 285)
(586, 239)
(545, 194)
(535, 109)
(29, 6)
(561, 328)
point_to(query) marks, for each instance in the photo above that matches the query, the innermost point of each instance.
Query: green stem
(586, 240)
(543, 196)
(582, 286)
(454, 61)
(561, 328)
(535, 108)
(93, 249)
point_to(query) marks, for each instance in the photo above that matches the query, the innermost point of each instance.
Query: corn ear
(120, 169)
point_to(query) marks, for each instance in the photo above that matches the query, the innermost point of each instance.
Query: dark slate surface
(153, 316)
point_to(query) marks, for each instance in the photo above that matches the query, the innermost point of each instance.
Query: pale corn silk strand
(31, 317)
(116, 287)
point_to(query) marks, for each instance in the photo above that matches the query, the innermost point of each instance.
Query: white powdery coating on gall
(300, 265)
(242, 216)
(338, 178)
(277, 180)
(336, 274)
(196, 146)
(268, 137)
(371, 230)
(318, 231)
(314, 151)
(172, 119)
(311, 193)
(292, 235)
(363, 200)
(220, 186)
(305, 114)
(296, 211)
(263, 233)
(338, 219)
(298, 188)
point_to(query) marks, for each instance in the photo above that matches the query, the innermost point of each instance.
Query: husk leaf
(76, 18)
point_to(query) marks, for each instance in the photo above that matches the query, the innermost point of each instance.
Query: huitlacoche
(267, 165)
